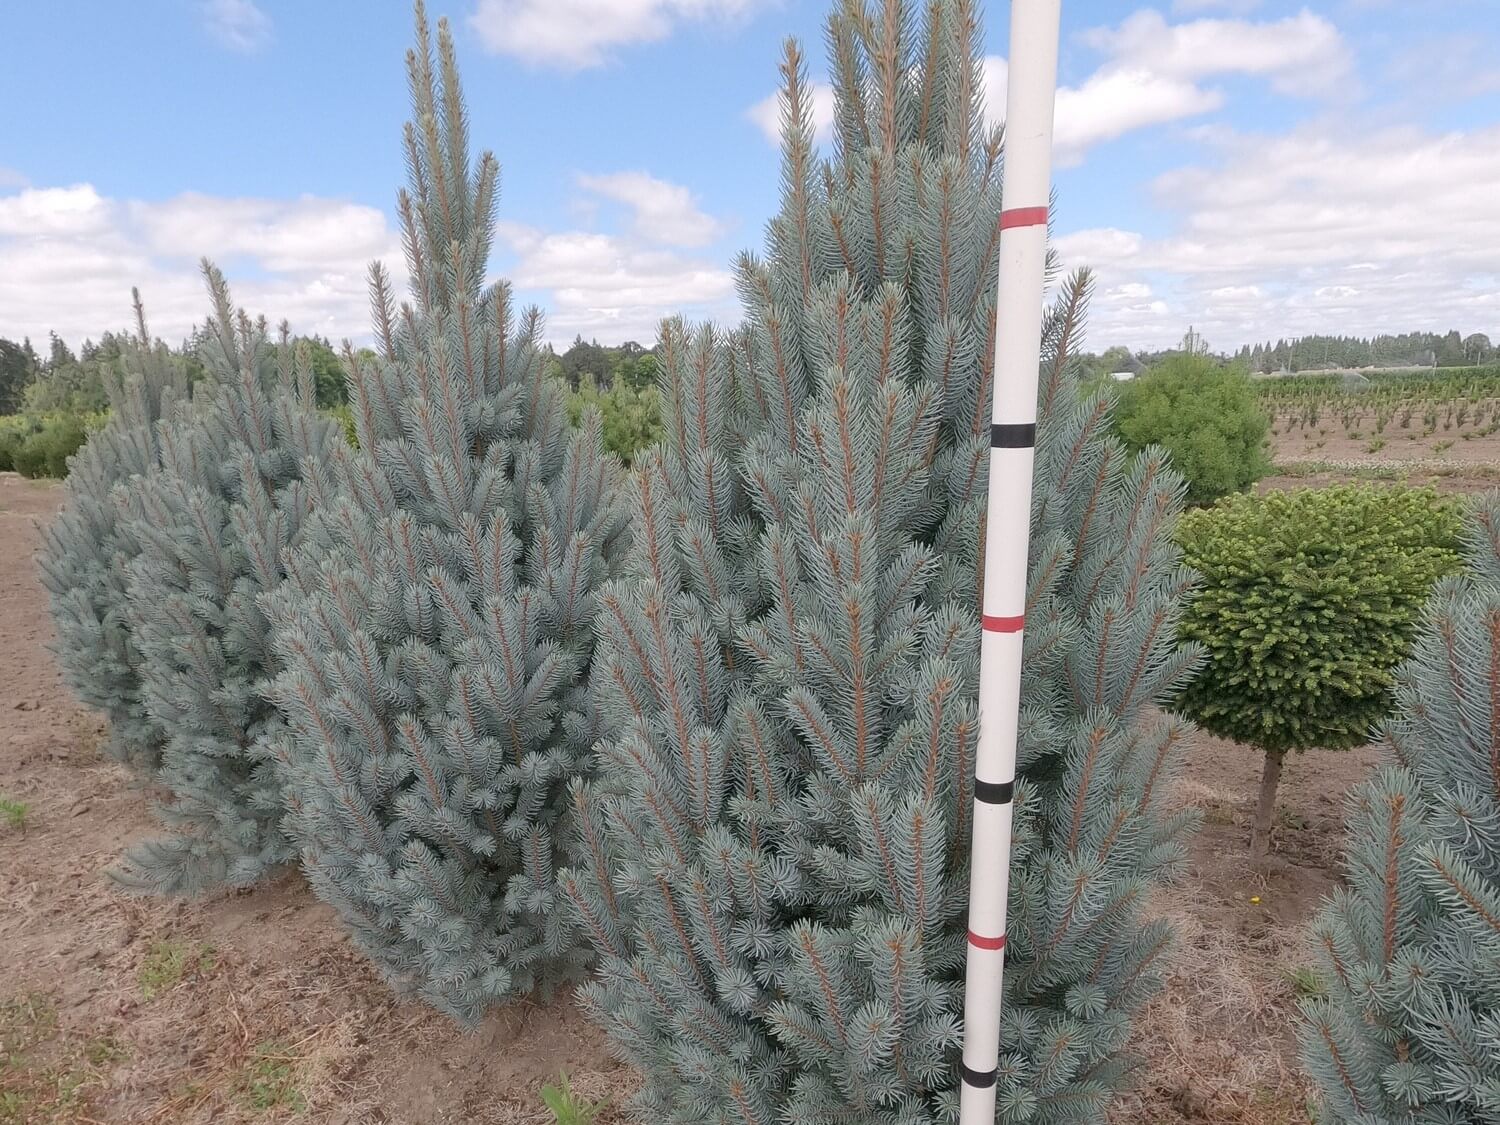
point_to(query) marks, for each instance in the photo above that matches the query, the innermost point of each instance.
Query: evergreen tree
(240, 473)
(85, 553)
(18, 369)
(436, 641)
(776, 849)
(1410, 948)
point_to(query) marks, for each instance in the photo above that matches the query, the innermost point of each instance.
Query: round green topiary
(1309, 601)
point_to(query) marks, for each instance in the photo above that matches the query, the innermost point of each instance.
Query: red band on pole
(990, 943)
(1003, 624)
(1023, 217)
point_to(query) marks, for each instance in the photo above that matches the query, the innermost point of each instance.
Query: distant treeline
(77, 383)
(62, 380)
(1411, 349)
(50, 402)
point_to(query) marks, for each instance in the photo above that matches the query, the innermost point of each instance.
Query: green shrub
(14, 430)
(344, 416)
(40, 445)
(1309, 602)
(631, 415)
(1206, 416)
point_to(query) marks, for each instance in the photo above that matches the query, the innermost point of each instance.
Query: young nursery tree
(775, 857)
(240, 473)
(1205, 415)
(1410, 949)
(84, 555)
(630, 415)
(1309, 602)
(437, 633)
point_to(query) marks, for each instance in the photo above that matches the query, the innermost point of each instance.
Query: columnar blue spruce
(776, 845)
(1410, 949)
(436, 653)
(84, 555)
(240, 473)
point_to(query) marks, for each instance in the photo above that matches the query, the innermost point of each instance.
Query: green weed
(168, 962)
(567, 1107)
(14, 813)
(269, 1082)
(1305, 981)
(43, 1076)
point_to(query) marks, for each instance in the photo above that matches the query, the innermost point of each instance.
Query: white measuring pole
(1026, 190)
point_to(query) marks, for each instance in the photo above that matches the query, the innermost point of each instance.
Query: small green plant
(1305, 981)
(344, 416)
(1375, 446)
(1443, 446)
(105, 1049)
(25, 1022)
(168, 962)
(14, 813)
(567, 1107)
(42, 1075)
(269, 1081)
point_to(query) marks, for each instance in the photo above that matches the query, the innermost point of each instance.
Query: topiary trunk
(1265, 804)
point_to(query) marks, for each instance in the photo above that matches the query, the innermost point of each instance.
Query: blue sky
(1252, 167)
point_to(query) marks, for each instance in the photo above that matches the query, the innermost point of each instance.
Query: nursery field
(252, 1006)
(1442, 430)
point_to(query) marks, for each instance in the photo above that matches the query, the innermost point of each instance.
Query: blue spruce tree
(1409, 1032)
(240, 472)
(437, 636)
(84, 554)
(775, 864)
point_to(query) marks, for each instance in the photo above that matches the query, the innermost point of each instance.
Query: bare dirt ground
(1460, 459)
(253, 1007)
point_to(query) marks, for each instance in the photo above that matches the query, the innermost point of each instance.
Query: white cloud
(72, 254)
(76, 210)
(237, 24)
(1114, 102)
(612, 287)
(663, 212)
(1152, 74)
(575, 34)
(1193, 7)
(766, 114)
(306, 234)
(1322, 230)
(1442, 69)
(1300, 54)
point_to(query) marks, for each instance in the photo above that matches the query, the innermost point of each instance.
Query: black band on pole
(1012, 435)
(979, 1079)
(994, 792)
